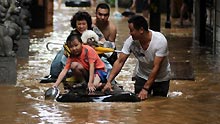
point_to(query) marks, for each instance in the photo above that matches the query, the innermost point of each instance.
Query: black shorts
(158, 88)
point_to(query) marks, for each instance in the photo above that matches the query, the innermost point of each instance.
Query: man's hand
(143, 94)
(107, 86)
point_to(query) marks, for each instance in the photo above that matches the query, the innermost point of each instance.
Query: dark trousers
(157, 88)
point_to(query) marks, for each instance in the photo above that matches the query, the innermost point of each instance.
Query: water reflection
(191, 102)
(51, 113)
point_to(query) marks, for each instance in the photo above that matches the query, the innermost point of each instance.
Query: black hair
(138, 22)
(79, 16)
(73, 35)
(103, 6)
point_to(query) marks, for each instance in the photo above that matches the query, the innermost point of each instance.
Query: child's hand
(91, 87)
(55, 85)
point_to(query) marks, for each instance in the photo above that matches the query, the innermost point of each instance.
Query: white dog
(90, 37)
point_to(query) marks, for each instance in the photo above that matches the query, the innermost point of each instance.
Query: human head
(138, 22)
(102, 12)
(74, 43)
(81, 21)
(137, 25)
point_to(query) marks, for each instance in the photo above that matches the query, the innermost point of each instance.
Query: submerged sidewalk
(180, 41)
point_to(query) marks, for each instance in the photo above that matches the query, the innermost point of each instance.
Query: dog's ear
(92, 42)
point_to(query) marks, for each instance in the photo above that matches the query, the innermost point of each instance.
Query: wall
(217, 27)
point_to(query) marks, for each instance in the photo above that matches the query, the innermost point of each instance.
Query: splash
(174, 94)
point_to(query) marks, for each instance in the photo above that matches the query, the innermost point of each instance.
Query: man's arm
(157, 63)
(116, 69)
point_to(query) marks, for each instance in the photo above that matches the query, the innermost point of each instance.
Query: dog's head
(90, 37)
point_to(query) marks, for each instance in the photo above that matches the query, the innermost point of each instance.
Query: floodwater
(189, 102)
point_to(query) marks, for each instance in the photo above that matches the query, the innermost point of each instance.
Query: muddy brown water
(189, 102)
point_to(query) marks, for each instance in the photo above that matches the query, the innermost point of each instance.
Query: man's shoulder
(158, 35)
(129, 40)
(112, 25)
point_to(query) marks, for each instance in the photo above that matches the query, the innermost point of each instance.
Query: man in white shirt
(152, 72)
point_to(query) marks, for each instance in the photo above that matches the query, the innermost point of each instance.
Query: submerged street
(189, 101)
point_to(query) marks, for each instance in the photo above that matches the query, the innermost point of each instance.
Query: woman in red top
(84, 62)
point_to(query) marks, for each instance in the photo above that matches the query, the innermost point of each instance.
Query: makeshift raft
(78, 93)
(123, 96)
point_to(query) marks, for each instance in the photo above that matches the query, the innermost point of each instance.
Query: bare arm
(60, 77)
(116, 69)
(91, 77)
(157, 63)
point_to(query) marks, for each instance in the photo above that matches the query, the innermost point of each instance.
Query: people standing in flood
(146, 9)
(144, 6)
(186, 12)
(152, 72)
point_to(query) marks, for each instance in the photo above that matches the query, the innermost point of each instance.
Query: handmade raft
(78, 93)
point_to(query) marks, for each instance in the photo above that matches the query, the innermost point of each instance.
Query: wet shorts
(158, 88)
(102, 75)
